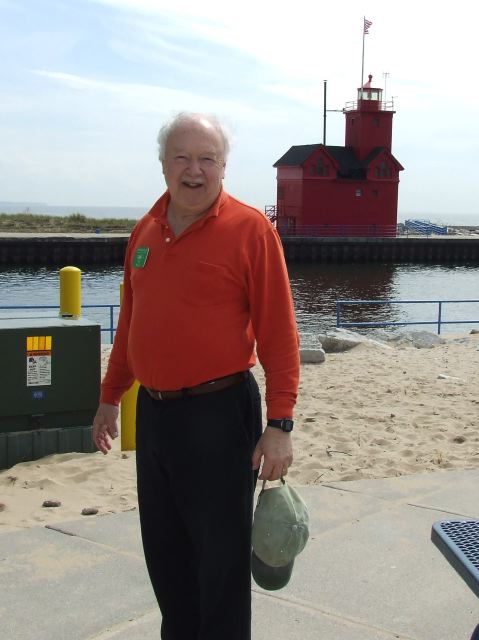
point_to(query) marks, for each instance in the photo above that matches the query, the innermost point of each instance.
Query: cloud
(74, 82)
(277, 36)
(156, 99)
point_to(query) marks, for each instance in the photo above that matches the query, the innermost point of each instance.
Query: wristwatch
(285, 424)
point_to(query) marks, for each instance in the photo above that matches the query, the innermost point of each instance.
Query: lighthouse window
(383, 171)
(376, 122)
(321, 168)
(359, 192)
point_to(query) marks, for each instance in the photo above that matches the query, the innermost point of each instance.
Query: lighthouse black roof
(296, 155)
(344, 156)
(349, 165)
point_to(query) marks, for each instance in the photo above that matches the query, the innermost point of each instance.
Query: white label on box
(39, 368)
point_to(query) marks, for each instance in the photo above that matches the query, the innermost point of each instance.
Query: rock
(473, 331)
(419, 339)
(51, 503)
(89, 511)
(380, 335)
(312, 356)
(338, 340)
(2, 506)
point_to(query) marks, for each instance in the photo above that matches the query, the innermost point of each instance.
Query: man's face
(194, 167)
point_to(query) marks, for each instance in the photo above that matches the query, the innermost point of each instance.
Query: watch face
(287, 425)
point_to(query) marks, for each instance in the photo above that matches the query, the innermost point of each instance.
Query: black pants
(195, 493)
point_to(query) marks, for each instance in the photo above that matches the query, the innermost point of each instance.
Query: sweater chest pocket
(205, 284)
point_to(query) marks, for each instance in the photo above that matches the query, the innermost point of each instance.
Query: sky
(86, 84)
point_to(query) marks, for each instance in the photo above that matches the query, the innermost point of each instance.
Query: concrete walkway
(369, 571)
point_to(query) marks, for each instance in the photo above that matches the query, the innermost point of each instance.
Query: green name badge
(140, 257)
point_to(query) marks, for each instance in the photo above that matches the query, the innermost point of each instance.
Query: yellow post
(70, 292)
(128, 410)
(128, 418)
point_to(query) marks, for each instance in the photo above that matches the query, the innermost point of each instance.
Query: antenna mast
(325, 82)
(386, 75)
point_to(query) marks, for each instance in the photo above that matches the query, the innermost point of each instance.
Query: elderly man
(205, 289)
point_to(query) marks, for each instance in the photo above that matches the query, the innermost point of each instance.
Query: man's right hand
(105, 426)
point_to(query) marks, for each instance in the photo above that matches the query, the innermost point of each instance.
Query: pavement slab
(383, 570)
(120, 531)
(418, 487)
(368, 572)
(61, 587)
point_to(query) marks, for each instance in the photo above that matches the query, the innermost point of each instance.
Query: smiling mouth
(192, 185)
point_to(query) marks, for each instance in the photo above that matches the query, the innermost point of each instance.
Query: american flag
(367, 24)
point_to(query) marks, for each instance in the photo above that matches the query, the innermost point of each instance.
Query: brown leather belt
(199, 389)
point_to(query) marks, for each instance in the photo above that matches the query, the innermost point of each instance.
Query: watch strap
(285, 424)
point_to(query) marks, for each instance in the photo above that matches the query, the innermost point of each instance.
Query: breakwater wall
(445, 249)
(78, 250)
(82, 249)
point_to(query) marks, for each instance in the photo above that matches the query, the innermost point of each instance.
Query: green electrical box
(49, 387)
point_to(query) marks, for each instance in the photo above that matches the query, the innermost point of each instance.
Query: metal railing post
(439, 317)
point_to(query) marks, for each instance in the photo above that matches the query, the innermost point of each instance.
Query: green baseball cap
(280, 532)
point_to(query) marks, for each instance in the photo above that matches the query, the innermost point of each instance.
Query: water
(317, 287)
(315, 290)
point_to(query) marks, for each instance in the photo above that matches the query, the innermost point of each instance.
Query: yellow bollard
(70, 292)
(128, 418)
(128, 411)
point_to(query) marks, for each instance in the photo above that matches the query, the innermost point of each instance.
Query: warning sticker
(39, 361)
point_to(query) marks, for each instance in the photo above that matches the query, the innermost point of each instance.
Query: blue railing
(110, 328)
(425, 227)
(438, 322)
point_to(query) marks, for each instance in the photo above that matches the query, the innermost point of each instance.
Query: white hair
(186, 117)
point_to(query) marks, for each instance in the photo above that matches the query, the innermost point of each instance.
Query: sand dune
(371, 412)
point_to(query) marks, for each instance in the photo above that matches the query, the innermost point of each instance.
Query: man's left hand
(275, 447)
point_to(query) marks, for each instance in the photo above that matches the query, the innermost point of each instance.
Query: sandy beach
(376, 411)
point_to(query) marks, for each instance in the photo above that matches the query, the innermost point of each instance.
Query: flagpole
(362, 60)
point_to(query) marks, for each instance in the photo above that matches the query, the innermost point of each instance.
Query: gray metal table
(458, 541)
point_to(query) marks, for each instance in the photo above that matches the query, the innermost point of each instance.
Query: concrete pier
(436, 249)
(60, 249)
(81, 249)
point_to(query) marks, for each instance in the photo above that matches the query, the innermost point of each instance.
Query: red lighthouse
(343, 191)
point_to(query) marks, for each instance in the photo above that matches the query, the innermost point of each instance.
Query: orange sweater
(193, 310)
